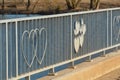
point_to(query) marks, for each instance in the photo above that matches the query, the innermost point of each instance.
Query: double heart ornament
(33, 38)
(79, 32)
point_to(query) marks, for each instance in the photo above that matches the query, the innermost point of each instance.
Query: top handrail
(56, 15)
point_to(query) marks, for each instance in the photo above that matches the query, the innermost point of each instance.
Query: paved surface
(114, 75)
(91, 70)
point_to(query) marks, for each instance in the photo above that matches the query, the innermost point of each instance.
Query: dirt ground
(52, 6)
(114, 75)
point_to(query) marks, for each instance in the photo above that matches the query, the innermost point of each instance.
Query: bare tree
(28, 4)
(34, 6)
(3, 2)
(94, 4)
(72, 4)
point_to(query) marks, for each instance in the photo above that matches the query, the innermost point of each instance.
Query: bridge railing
(35, 44)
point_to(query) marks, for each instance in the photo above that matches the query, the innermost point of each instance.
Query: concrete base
(90, 70)
(52, 74)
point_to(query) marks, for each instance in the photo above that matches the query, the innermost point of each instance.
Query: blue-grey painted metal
(32, 45)
(96, 32)
(51, 43)
(2, 52)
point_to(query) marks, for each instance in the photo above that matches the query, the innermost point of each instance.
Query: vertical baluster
(89, 58)
(52, 72)
(111, 28)
(27, 78)
(16, 26)
(6, 50)
(71, 55)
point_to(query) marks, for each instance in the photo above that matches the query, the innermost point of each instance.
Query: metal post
(89, 59)
(116, 48)
(52, 72)
(107, 28)
(104, 54)
(71, 37)
(6, 51)
(16, 49)
(111, 27)
(72, 63)
(27, 78)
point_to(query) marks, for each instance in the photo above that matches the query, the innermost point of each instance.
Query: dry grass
(54, 6)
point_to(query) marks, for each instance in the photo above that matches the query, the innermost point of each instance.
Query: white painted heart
(32, 34)
(76, 44)
(81, 40)
(79, 32)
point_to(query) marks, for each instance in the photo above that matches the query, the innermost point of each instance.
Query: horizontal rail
(63, 63)
(36, 44)
(57, 15)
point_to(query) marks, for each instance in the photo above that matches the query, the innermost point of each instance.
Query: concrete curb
(89, 70)
(93, 69)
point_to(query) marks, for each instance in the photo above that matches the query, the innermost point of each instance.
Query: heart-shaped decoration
(81, 40)
(79, 32)
(45, 48)
(33, 36)
(77, 28)
(76, 44)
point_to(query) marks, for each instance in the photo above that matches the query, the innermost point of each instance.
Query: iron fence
(35, 44)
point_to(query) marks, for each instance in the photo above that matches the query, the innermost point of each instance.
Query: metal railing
(35, 44)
